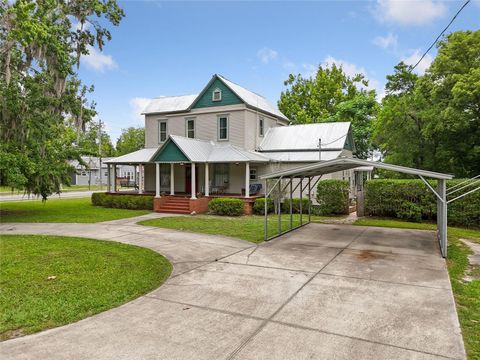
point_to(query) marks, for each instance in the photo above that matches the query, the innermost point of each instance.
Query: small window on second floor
(261, 126)
(190, 128)
(217, 95)
(223, 127)
(162, 131)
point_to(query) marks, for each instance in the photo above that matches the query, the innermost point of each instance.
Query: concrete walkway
(323, 292)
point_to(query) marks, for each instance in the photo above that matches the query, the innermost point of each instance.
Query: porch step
(176, 205)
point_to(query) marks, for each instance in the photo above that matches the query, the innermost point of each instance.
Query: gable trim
(180, 156)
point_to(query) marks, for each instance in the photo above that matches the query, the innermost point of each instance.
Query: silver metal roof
(252, 99)
(331, 166)
(165, 104)
(208, 151)
(137, 157)
(306, 136)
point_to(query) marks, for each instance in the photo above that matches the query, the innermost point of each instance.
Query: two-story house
(218, 142)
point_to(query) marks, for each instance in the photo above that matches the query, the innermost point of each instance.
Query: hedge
(259, 206)
(295, 205)
(332, 197)
(412, 200)
(226, 206)
(132, 202)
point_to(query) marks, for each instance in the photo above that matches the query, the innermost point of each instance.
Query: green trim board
(205, 98)
(170, 152)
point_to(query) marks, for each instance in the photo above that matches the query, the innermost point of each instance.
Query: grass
(77, 210)
(467, 294)
(248, 228)
(5, 190)
(48, 281)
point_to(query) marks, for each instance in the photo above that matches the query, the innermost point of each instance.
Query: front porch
(188, 187)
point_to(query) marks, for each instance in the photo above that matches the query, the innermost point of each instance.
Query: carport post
(301, 200)
(265, 214)
(442, 216)
(291, 205)
(309, 199)
(279, 204)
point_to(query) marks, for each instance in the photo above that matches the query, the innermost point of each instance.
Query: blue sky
(173, 47)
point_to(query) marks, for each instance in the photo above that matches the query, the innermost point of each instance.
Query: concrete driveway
(322, 292)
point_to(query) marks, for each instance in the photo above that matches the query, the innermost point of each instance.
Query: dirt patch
(473, 270)
(11, 334)
(367, 255)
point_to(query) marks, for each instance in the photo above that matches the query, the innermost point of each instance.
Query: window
(217, 95)
(162, 131)
(84, 173)
(253, 174)
(261, 126)
(223, 127)
(220, 175)
(190, 128)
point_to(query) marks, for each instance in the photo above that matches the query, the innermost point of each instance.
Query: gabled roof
(169, 104)
(305, 137)
(137, 157)
(172, 104)
(208, 151)
(252, 99)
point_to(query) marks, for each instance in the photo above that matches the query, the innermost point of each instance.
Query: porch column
(207, 180)
(247, 179)
(157, 179)
(114, 178)
(194, 190)
(172, 180)
(109, 178)
(140, 178)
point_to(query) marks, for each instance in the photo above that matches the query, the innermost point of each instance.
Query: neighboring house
(218, 142)
(91, 173)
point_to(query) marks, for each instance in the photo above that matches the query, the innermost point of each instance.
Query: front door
(188, 179)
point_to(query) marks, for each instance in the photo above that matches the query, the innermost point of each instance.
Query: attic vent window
(217, 95)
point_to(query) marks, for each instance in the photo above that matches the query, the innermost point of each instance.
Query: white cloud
(97, 61)
(266, 55)
(409, 12)
(386, 42)
(138, 104)
(413, 59)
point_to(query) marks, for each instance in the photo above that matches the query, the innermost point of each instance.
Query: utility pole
(100, 150)
(319, 149)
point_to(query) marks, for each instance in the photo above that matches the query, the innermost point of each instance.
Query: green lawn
(5, 190)
(248, 228)
(467, 294)
(48, 281)
(78, 210)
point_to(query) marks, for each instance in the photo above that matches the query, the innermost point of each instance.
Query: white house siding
(252, 134)
(205, 124)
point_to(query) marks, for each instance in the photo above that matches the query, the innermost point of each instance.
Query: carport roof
(331, 166)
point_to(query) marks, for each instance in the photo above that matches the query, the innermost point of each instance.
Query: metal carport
(320, 168)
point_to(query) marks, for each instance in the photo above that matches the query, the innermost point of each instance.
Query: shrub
(332, 197)
(132, 202)
(295, 205)
(412, 200)
(259, 206)
(226, 206)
